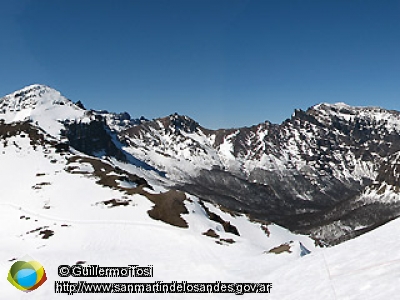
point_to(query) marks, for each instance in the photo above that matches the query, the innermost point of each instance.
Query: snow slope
(363, 268)
(43, 190)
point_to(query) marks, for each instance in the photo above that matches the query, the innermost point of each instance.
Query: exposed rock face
(93, 138)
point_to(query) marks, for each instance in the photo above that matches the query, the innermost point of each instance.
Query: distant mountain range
(331, 172)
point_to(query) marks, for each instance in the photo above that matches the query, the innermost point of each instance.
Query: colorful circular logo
(26, 275)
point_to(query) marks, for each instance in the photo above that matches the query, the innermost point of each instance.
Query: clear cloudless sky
(225, 63)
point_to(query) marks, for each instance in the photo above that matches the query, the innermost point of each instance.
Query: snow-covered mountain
(321, 172)
(70, 192)
(200, 205)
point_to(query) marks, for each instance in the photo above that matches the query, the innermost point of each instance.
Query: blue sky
(225, 63)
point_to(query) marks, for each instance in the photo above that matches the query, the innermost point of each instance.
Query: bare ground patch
(168, 207)
(265, 229)
(211, 233)
(280, 249)
(22, 128)
(229, 241)
(116, 202)
(46, 233)
(75, 170)
(43, 231)
(107, 174)
(39, 185)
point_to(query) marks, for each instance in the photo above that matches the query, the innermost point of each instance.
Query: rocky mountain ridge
(329, 171)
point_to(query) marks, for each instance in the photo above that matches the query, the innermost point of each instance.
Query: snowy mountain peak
(31, 96)
(40, 104)
(181, 122)
(336, 105)
(175, 123)
(343, 108)
(368, 115)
